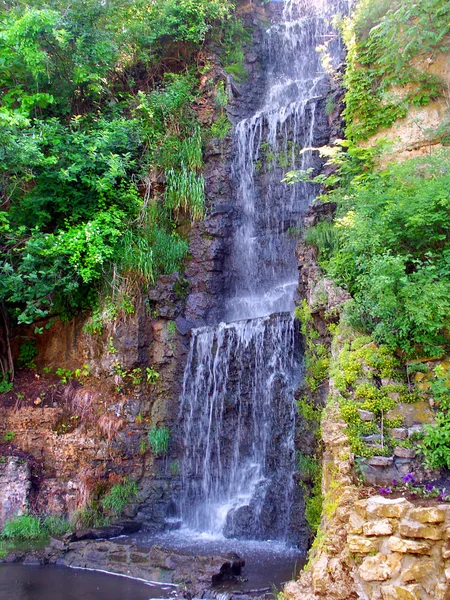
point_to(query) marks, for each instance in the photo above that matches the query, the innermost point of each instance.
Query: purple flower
(429, 487)
(394, 482)
(385, 491)
(408, 478)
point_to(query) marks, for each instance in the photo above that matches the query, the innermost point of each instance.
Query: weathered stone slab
(380, 567)
(15, 486)
(380, 461)
(428, 514)
(366, 415)
(396, 544)
(411, 529)
(399, 433)
(379, 528)
(362, 545)
(418, 569)
(404, 452)
(400, 592)
(355, 523)
(390, 508)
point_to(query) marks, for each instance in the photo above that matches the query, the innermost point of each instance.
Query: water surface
(18, 582)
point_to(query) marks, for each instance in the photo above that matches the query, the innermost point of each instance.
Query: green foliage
(220, 127)
(158, 438)
(383, 39)
(56, 526)
(119, 496)
(5, 385)
(25, 527)
(389, 250)
(235, 36)
(311, 484)
(435, 445)
(9, 436)
(27, 352)
(88, 110)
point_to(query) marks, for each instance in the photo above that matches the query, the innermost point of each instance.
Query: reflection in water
(18, 582)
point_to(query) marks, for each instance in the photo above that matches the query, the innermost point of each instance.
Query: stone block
(379, 528)
(380, 461)
(380, 567)
(355, 523)
(428, 514)
(411, 529)
(366, 415)
(390, 508)
(412, 414)
(418, 569)
(396, 544)
(404, 452)
(361, 507)
(362, 545)
(398, 433)
(402, 592)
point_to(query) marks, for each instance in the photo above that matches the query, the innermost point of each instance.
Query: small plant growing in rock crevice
(119, 496)
(158, 438)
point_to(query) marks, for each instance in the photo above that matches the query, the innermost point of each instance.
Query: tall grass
(158, 438)
(185, 190)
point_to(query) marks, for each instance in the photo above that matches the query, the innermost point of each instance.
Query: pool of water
(267, 563)
(18, 582)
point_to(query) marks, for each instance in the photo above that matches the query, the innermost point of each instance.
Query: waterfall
(237, 406)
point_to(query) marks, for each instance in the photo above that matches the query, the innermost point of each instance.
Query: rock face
(15, 486)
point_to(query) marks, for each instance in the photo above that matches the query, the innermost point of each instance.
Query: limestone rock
(400, 592)
(396, 544)
(15, 486)
(404, 452)
(366, 415)
(380, 461)
(399, 433)
(362, 545)
(378, 528)
(412, 414)
(428, 514)
(411, 529)
(390, 508)
(441, 591)
(319, 575)
(355, 523)
(380, 567)
(417, 569)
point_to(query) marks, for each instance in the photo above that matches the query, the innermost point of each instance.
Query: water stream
(237, 407)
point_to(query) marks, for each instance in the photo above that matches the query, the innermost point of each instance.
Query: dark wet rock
(103, 533)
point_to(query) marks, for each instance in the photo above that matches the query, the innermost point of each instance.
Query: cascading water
(237, 404)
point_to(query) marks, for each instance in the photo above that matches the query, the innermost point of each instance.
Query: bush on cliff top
(391, 250)
(383, 38)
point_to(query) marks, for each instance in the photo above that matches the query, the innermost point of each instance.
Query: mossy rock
(412, 414)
